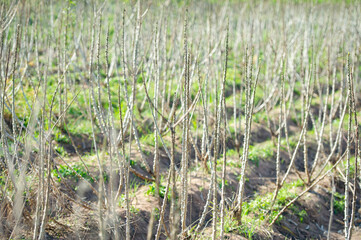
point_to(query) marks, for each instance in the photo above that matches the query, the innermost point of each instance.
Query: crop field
(174, 119)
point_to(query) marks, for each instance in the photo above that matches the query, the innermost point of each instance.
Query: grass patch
(338, 203)
(260, 206)
(261, 151)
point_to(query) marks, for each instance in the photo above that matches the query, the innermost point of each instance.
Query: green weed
(66, 172)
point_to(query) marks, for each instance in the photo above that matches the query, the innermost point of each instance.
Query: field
(180, 119)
